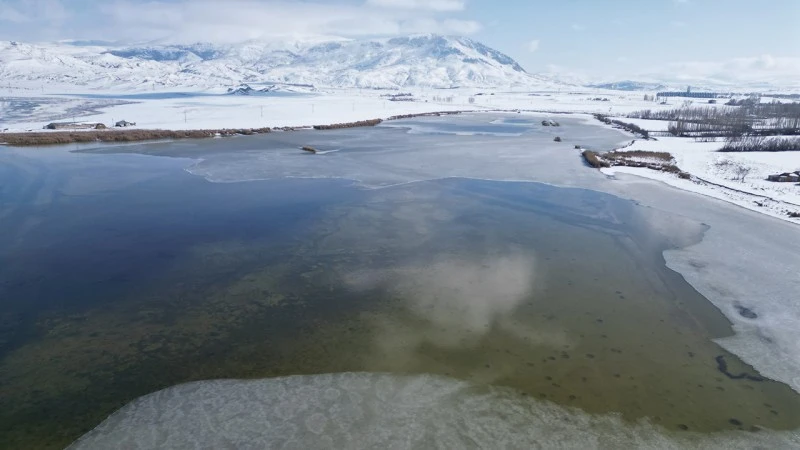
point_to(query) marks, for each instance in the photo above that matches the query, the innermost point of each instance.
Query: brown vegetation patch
(594, 160)
(625, 155)
(428, 114)
(661, 161)
(290, 128)
(68, 137)
(629, 127)
(360, 123)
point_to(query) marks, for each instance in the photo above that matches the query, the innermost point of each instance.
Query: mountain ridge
(433, 61)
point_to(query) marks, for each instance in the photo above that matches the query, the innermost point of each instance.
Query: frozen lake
(434, 264)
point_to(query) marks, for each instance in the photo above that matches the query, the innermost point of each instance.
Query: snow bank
(718, 174)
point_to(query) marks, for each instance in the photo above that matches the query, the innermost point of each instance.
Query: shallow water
(123, 274)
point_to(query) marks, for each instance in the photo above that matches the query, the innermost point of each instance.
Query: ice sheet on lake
(359, 410)
(750, 268)
(418, 151)
(475, 125)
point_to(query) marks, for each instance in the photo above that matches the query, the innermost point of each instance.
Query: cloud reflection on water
(454, 305)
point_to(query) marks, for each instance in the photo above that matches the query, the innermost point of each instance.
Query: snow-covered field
(214, 110)
(181, 109)
(739, 178)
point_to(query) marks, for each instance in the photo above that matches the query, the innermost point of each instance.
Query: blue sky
(599, 38)
(625, 35)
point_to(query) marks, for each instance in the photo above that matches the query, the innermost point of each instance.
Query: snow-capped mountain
(422, 61)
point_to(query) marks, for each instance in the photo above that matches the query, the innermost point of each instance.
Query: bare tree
(742, 171)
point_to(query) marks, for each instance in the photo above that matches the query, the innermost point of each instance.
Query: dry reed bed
(661, 161)
(68, 137)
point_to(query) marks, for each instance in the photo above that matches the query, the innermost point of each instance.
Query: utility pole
(262, 111)
(184, 116)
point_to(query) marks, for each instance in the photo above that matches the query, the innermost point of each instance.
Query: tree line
(748, 119)
(761, 144)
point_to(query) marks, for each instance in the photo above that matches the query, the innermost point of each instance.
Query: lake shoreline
(118, 136)
(108, 135)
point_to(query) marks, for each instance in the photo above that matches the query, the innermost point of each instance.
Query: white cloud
(734, 72)
(428, 25)
(433, 5)
(533, 45)
(752, 68)
(568, 75)
(455, 26)
(235, 21)
(577, 27)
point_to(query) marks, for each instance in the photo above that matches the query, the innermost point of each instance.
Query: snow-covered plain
(212, 108)
(216, 111)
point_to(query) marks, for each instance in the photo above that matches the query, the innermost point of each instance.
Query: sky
(595, 39)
